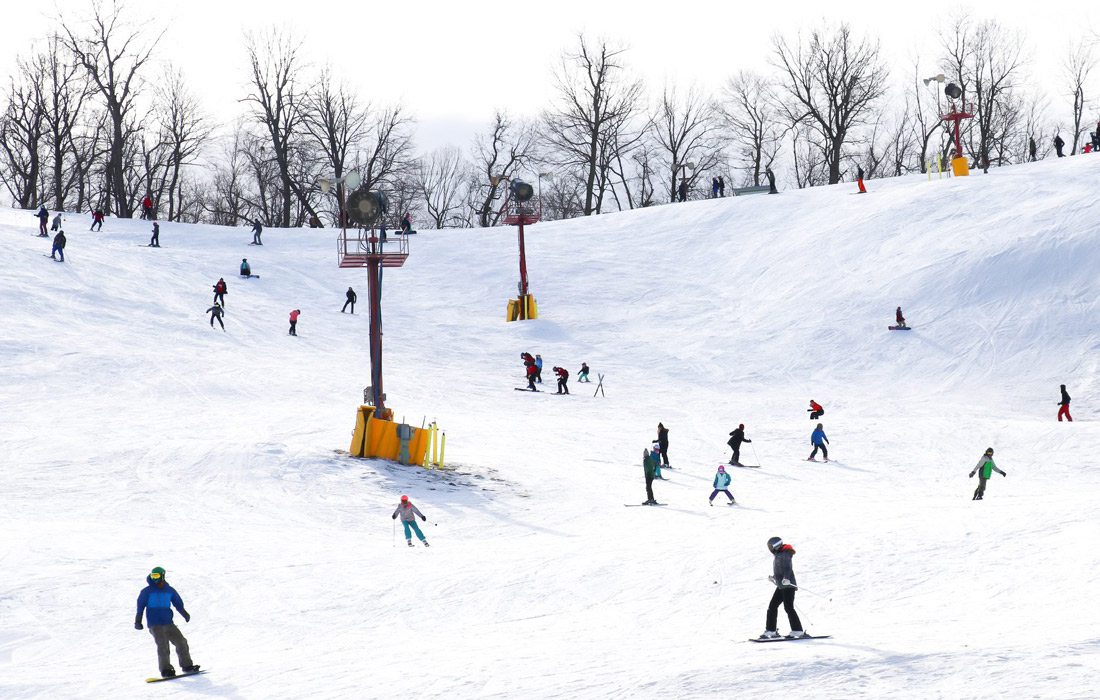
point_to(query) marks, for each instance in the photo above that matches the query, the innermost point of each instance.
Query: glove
(971, 475)
(787, 582)
(424, 518)
(1004, 473)
(137, 625)
(395, 514)
(186, 616)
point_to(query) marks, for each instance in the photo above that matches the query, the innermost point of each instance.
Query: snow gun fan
(521, 207)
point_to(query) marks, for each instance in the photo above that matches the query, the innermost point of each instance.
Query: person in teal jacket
(984, 470)
(722, 485)
(651, 463)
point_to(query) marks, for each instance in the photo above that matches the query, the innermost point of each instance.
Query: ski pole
(754, 453)
(819, 595)
(394, 540)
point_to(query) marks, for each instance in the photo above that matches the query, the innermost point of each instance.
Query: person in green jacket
(984, 470)
(650, 463)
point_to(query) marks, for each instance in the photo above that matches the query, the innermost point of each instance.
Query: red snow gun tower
(521, 208)
(957, 110)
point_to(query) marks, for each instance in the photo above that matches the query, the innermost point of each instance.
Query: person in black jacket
(350, 294)
(154, 242)
(662, 442)
(785, 588)
(257, 229)
(58, 246)
(1064, 403)
(43, 219)
(736, 438)
(682, 191)
(216, 312)
(1058, 144)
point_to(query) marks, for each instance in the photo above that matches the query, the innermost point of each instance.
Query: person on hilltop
(721, 485)
(721, 186)
(785, 588)
(1064, 406)
(582, 376)
(815, 410)
(662, 442)
(216, 312)
(1059, 144)
(859, 179)
(350, 299)
(714, 188)
(682, 191)
(43, 218)
(563, 379)
(406, 224)
(984, 470)
(58, 246)
(294, 322)
(156, 601)
(257, 229)
(736, 438)
(819, 441)
(154, 242)
(220, 288)
(409, 513)
(147, 208)
(97, 220)
(246, 269)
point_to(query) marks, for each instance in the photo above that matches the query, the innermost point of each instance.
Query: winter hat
(655, 448)
(774, 544)
(989, 450)
(721, 469)
(741, 426)
(404, 499)
(157, 574)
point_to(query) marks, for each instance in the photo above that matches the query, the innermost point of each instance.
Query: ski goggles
(155, 576)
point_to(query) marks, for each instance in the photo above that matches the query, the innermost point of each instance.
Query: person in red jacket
(900, 318)
(816, 411)
(563, 379)
(294, 321)
(97, 220)
(147, 207)
(531, 371)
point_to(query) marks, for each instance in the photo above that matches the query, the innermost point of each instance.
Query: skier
(815, 410)
(538, 368)
(682, 191)
(257, 229)
(655, 450)
(721, 485)
(736, 438)
(55, 225)
(785, 588)
(650, 464)
(43, 217)
(582, 376)
(154, 242)
(220, 288)
(662, 441)
(408, 513)
(721, 186)
(563, 379)
(818, 440)
(97, 220)
(1064, 403)
(58, 246)
(246, 269)
(859, 179)
(984, 470)
(350, 294)
(406, 223)
(156, 600)
(216, 311)
(147, 208)
(900, 319)
(294, 321)
(1058, 144)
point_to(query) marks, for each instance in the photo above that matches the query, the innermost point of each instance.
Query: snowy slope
(136, 436)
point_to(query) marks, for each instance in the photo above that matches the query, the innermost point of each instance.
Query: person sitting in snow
(721, 485)
(409, 513)
(246, 269)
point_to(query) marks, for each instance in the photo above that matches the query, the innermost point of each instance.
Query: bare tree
(22, 127)
(63, 92)
(595, 101)
(338, 125)
(750, 115)
(832, 83)
(687, 131)
(499, 154)
(387, 151)
(1078, 64)
(184, 130)
(439, 178)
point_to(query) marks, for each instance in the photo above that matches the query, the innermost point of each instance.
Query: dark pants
(649, 487)
(816, 414)
(256, 239)
(292, 330)
(96, 226)
(219, 296)
(563, 387)
(59, 251)
(165, 634)
(980, 491)
(538, 374)
(727, 492)
(214, 317)
(736, 458)
(785, 596)
(155, 240)
(42, 227)
(531, 382)
(824, 451)
(349, 301)
(664, 453)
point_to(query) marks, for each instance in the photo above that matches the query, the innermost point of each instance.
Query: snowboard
(791, 639)
(178, 675)
(898, 328)
(633, 505)
(248, 277)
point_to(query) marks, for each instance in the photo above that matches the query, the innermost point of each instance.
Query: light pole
(683, 178)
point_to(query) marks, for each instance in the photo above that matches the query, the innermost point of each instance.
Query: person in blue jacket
(156, 601)
(721, 485)
(819, 441)
(538, 368)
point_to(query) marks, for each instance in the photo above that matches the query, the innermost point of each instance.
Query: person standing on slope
(859, 179)
(900, 319)
(736, 438)
(156, 601)
(1064, 403)
(655, 450)
(350, 298)
(55, 225)
(721, 485)
(582, 376)
(538, 368)
(409, 513)
(220, 288)
(216, 311)
(815, 410)
(563, 379)
(43, 218)
(257, 229)
(154, 242)
(818, 440)
(785, 588)
(721, 186)
(650, 465)
(97, 220)
(58, 246)
(147, 208)
(682, 191)
(1058, 145)
(294, 322)
(662, 442)
(984, 470)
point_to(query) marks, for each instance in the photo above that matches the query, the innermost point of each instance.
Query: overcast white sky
(453, 62)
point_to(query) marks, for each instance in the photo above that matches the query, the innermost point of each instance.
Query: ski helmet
(721, 469)
(989, 450)
(404, 499)
(774, 544)
(157, 574)
(655, 448)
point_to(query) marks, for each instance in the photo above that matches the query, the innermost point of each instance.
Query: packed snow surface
(135, 436)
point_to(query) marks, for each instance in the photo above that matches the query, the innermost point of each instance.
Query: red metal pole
(374, 266)
(958, 140)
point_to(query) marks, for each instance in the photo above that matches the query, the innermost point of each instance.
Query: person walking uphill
(43, 218)
(1064, 403)
(409, 513)
(58, 246)
(563, 379)
(351, 299)
(662, 442)
(736, 438)
(294, 322)
(818, 440)
(721, 485)
(785, 588)
(984, 470)
(156, 600)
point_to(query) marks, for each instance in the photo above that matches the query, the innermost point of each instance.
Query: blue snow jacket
(722, 481)
(157, 601)
(818, 437)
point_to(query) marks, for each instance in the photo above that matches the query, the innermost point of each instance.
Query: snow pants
(862, 189)
(563, 386)
(165, 634)
(664, 455)
(979, 492)
(60, 251)
(218, 319)
(649, 487)
(219, 297)
(538, 374)
(256, 239)
(42, 227)
(816, 414)
(583, 377)
(786, 597)
(349, 301)
(1063, 410)
(824, 451)
(293, 328)
(736, 458)
(725, 491)
(96, 226)
(410, 526)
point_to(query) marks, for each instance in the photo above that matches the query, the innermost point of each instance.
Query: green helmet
(157, 574)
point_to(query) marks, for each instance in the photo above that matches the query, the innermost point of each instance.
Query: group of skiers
(532, 366)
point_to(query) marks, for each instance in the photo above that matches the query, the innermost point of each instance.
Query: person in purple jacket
(156, 601)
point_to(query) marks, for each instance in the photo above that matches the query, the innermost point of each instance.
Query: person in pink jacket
(294, 321)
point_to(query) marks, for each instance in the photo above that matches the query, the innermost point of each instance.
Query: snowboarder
(900, 319)
(538, 368)
(58, 246)
(147, 208)
(55, 225)
(650, 464)
(736, 438)
(859, 179)
(220, 288)
(246, 269)
(156, 600)
(815, 410)
(984, 470)
(97, 220)
(1058, 144)
(785, 588)
(1064, 403)
(582, 376)
(682, 191)
(721, 186)
(406, 223)
(216, 312)
(563, 379)
(294, 321)
(662, 441)
(408, 513)
(721, 485)
(154, 242)
(257, 229)
(43, 217)
(350, 294)
(819, 441)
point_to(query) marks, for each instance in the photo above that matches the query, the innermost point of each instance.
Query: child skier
(156, 601)
(785, 588)
(815, 410)
(655, 450)
(1064, 403)
(55, 225)
(736, 438)
(650, 465)
(154, 242)
(818, 440)
(294, 321)
(216, 312)
(986, 467)
(721, 485)
(538, 368)
(582, 376)
(408, 513)
(563, 379)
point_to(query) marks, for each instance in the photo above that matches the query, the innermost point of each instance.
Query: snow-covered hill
(134, 436)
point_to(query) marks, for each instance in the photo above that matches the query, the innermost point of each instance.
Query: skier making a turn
(409, 513)
(819, 441)
(156, 601)
(984, 470)
(736, 438)
(721, 485)
(785, 588)
(216, 311)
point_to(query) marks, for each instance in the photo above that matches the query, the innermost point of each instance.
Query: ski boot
(167, 672)
(796, 634)
(193, 668)
(769, 634)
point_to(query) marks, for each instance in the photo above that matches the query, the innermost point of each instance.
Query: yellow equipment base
(526, 301)
(960, 167)
(377, 437)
